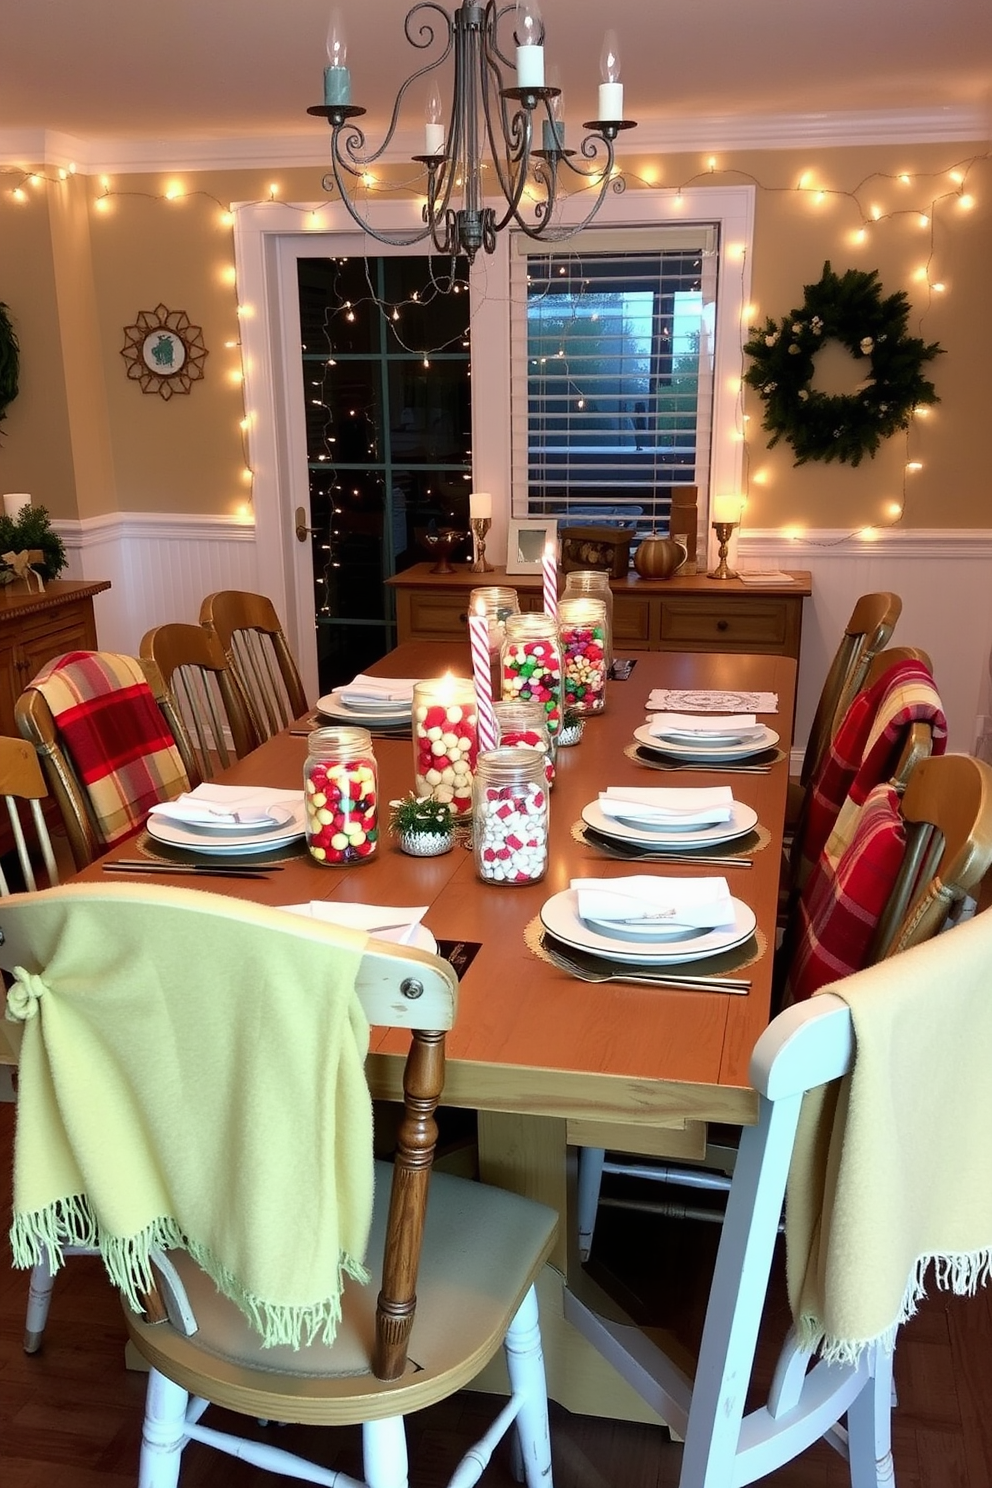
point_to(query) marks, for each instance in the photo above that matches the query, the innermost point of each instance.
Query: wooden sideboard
(692, 614)
(35, 627)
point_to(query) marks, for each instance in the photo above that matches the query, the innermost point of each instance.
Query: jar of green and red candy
(582, 628)
(530, 665)
(522, 726)
(341, 795)
(445, 740)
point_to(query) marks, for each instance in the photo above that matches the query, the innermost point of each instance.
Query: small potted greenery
(425, 827)
(29, 531)
(572, 724)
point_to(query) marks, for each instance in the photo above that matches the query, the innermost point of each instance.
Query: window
(617, 332)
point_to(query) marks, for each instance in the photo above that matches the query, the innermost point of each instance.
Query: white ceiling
(147, 71)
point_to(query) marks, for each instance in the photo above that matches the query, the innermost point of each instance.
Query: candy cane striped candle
(478, 630)
(549, 567)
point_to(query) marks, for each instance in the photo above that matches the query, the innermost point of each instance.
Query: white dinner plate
(560, 917)
(641, 930)
(698, 751)
(178, 834)
(331, 706)
(282, 817)
(708, 737)
(742, 819)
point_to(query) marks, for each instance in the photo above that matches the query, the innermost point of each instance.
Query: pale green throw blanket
(192, 1073)
(891, 1165)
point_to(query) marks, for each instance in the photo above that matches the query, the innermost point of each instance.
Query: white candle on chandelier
(530, 45)
(611, 88)
(434, 128)
(337, 78)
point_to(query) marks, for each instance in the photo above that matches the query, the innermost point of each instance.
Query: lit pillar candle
(337, 78)
(549, 568)
(530, 45)
(727, 509)
(478, 631)
(611, 88)
(480, 504)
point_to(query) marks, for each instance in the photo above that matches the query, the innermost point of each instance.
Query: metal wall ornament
(164, 351)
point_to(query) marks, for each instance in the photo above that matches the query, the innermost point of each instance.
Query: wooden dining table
(551, 1063)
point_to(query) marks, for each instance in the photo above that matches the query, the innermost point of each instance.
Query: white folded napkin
(700, 902)
(385, 921)
(658, 805)
(741, 725)
(230, 805)
(364, 689)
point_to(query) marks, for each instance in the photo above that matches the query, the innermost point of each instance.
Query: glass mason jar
(582, 630)
(341, 792)
(530, 665)
(522, 726)
(510, 817)
(497, 601)
(445, 740)
(592, 584)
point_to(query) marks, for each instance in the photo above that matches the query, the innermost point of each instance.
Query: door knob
(302, 530)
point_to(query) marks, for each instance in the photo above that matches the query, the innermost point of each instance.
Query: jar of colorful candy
(341, 792)
(530, 665)
(582, 629)
(510, 817)
(445, 741)
(522, 726)
(591, 583)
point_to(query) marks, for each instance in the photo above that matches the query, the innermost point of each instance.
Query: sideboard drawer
(744, 625)
(631, 621)
(438, 615)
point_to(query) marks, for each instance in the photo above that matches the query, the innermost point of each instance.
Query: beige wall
(85, 440)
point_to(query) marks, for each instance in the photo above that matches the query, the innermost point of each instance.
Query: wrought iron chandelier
(484, 115)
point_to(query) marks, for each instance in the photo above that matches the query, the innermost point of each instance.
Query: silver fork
(655, 855)
(586, 973)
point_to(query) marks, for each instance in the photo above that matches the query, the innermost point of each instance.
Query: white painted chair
(805, 1046)
(452, 1277)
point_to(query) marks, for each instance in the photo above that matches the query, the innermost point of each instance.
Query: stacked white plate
(230, 820)
(713, 745)
(368, 710)
(669, 836)
(643, 943)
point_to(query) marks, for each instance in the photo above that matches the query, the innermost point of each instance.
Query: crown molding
(98, 155)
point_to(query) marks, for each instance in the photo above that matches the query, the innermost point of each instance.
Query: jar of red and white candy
(445, 740)
(341, 793)
(582, 628)
(522, 726)
(530, 665)
(510, 817)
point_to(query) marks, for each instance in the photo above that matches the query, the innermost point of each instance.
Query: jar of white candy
(445, 740)
(510, 816)
(340, 790)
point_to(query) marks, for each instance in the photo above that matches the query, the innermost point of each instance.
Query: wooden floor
(70, 1416)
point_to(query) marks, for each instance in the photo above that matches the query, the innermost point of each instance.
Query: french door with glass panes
(385, 361)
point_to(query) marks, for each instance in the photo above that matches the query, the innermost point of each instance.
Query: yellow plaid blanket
(891, 1166)
(192, 1074)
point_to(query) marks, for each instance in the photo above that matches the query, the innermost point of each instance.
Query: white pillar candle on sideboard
(15, 502)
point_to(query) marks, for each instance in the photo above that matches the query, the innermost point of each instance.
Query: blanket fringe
(48, 1231)
(961, 1272)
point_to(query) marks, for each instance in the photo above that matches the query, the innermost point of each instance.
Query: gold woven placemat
(149, 847)
(738, 958)
(752, 842)
(752, 765)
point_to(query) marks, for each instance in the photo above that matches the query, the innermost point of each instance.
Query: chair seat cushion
(482, 1249)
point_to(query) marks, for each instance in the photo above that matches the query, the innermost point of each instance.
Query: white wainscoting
(159, 567)
(944, 578)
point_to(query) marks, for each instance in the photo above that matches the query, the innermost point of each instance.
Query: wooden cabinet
(35, 627)
(697, 614)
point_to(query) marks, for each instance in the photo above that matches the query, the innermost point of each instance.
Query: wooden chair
(872, 622)
(252, 637)
(205, 692)
(452, 1276)
(22, 784)
(947, 813)
(88, 835)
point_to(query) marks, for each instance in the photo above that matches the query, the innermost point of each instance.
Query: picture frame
(526, 540)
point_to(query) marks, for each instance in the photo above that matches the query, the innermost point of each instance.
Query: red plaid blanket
(114, 735)
(865, 752)
(842, 899)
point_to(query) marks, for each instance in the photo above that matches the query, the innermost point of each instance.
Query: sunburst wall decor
(164, 351)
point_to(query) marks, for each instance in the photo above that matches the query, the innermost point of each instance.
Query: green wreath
(847, 426)
(9, 362)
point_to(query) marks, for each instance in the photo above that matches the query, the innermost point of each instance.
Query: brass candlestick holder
(723, 531)
(480, 526)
